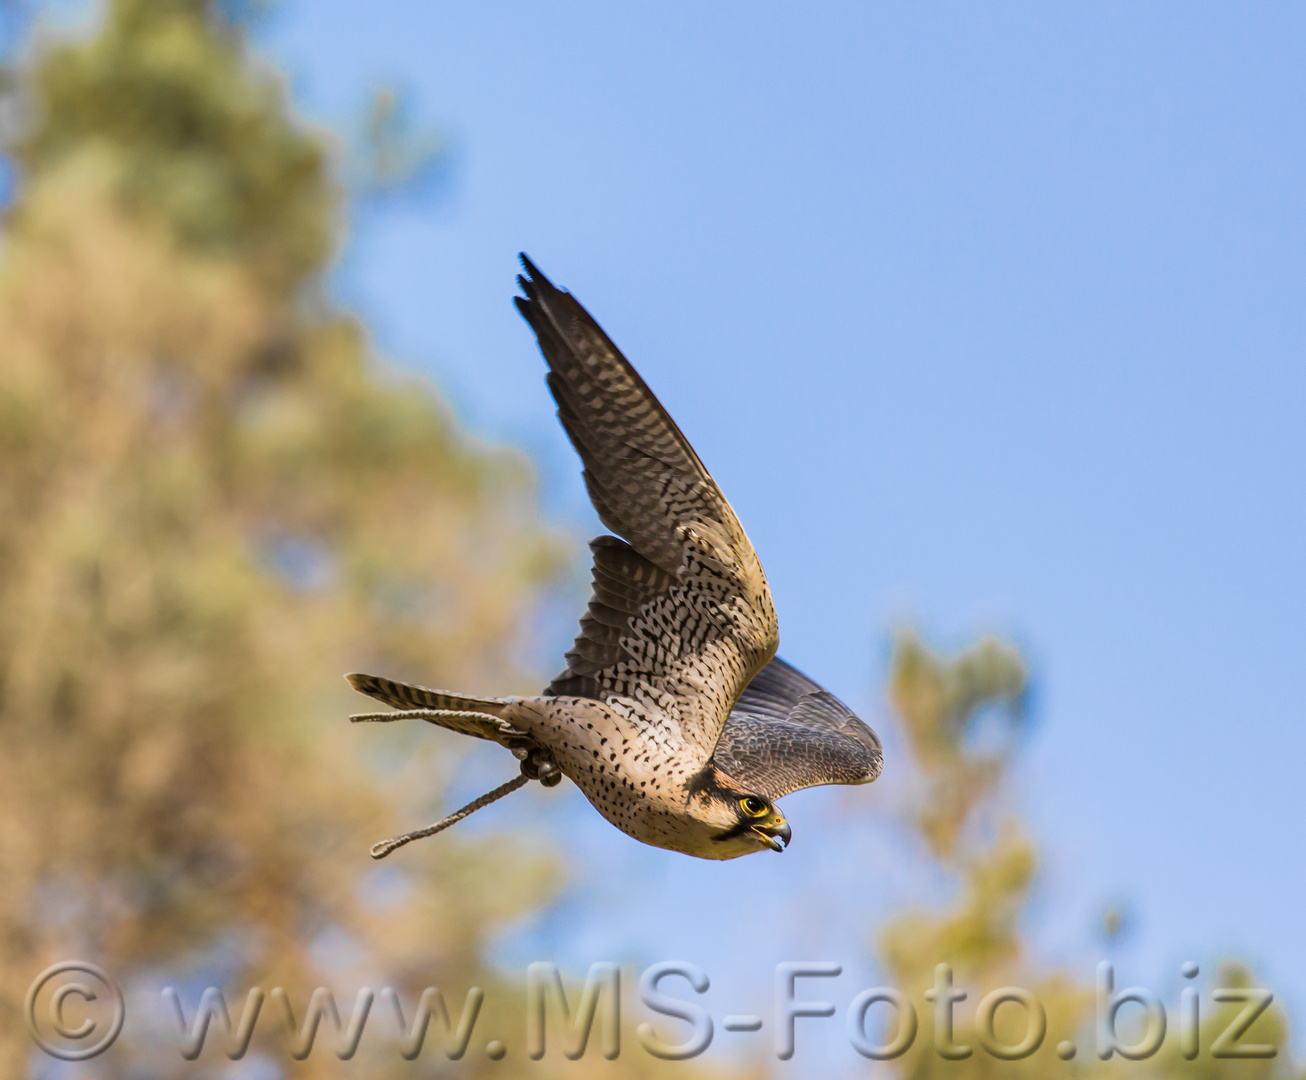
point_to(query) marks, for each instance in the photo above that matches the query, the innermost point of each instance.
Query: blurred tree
(389, 154)
(941, 704)
(213, 502)
(962, 718)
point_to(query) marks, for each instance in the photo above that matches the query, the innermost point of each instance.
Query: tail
(406, 696)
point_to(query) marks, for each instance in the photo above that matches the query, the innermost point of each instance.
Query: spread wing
(681, 616)
(787, 733)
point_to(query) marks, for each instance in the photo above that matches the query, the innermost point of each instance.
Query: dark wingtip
(535, 282)
(527, 309)
(534, 279)
(539, 292)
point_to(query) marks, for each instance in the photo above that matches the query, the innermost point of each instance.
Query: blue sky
(985, 317)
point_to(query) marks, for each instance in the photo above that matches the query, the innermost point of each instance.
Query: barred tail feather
(407, 696)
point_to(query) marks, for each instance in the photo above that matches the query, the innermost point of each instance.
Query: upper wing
(681, 616)
(787, 733)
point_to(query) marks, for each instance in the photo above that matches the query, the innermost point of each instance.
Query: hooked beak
(775, 833)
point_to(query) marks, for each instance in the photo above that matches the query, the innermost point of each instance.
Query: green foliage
(194, 135)
(213, 503)
(959, 812)
(939, 702)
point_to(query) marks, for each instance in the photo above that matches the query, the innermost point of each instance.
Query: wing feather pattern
(787, 733)
(681, 616)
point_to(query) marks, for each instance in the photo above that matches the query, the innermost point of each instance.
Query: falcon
(674, 715)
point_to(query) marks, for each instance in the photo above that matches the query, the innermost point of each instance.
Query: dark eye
(752, 806)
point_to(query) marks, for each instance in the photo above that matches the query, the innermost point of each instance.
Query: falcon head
(738, 821)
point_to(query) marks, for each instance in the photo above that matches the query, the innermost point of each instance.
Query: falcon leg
(538, 764)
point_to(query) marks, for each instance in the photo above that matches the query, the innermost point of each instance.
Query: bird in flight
(674, 715)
